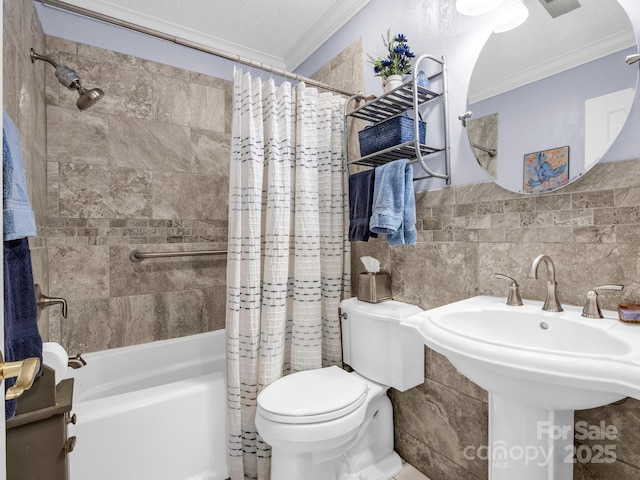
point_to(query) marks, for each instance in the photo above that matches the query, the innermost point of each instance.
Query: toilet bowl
(327, 424)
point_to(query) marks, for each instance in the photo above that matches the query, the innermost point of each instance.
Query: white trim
(585, 54)
(323, 30)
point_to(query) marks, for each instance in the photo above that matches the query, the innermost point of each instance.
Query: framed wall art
(546, 170)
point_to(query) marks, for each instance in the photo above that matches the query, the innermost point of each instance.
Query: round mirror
(547, 99)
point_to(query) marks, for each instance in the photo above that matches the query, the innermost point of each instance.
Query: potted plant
(396, 62)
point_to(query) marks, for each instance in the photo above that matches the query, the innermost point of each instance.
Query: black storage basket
(389, 133)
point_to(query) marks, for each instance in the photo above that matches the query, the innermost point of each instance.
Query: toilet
(327, 424)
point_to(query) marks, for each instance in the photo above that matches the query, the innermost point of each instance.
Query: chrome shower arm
(36, 56)
(68, 77)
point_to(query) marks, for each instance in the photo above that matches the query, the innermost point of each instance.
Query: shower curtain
(289, 260)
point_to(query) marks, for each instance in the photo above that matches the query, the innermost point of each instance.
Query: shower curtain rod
(196, 46)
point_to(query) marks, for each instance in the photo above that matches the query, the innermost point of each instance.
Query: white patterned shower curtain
(288, 261)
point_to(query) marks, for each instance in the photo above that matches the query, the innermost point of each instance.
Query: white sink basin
(556, 361)
(534, 331)
(538, 367)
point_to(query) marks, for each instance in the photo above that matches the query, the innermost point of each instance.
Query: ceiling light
(476, 7)
(513, 18)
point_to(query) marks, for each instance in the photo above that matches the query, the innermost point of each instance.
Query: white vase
(391, 82)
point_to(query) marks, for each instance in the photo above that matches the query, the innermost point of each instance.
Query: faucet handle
(514, 298)
(591, 308)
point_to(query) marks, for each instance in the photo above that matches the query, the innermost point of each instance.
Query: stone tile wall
(24, 100)
(145, 168)
(591, 229)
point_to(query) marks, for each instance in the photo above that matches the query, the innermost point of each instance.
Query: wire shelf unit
(408, 96)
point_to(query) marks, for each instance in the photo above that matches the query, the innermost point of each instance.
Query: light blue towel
(394, 204)
(18, 218)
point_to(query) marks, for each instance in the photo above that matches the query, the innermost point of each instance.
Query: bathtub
(153, 411)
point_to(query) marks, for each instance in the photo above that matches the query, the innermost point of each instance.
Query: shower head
(70, 79)
(88, 98)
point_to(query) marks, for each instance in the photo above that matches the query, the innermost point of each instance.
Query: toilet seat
(312, 396)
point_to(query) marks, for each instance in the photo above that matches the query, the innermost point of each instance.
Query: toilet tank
(378, 347)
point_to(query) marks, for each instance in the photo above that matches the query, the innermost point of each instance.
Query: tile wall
(145, 168)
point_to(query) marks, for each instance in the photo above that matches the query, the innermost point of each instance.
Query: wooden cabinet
(37, 443)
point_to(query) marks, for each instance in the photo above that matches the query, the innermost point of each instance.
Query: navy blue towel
(21, 337)
(360, 204)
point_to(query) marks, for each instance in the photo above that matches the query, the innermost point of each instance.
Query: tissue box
(374, 287)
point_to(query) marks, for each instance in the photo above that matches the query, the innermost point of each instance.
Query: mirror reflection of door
(550, 83)
(604, 118)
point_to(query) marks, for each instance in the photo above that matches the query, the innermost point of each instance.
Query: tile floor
(409, 473)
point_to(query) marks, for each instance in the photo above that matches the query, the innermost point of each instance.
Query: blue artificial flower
(397, 60)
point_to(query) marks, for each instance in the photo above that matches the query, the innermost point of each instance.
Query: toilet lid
(312, 396)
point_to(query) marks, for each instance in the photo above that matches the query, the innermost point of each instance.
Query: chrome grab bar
(137, 256)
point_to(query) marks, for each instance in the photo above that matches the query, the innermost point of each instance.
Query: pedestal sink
(538, 367)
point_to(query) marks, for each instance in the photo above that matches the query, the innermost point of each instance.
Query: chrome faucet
(551, 304)
(76, 361)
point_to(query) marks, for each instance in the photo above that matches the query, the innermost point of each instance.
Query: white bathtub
(152, 412)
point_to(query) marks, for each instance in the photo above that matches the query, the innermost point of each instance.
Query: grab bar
(137, 256)
(491, 151)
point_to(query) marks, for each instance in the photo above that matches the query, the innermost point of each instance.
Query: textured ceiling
(282, 33)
